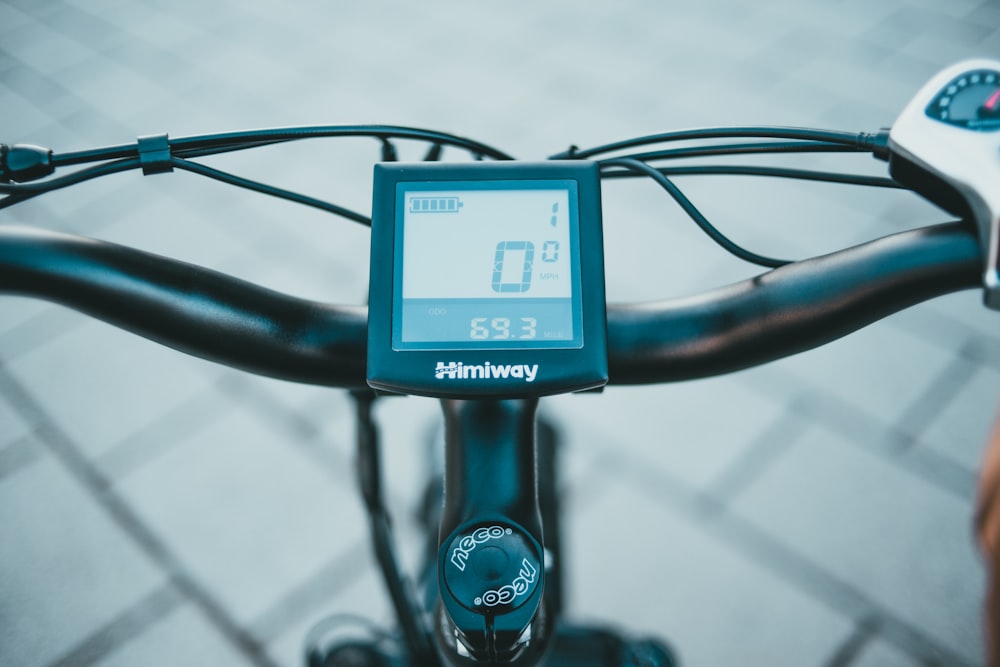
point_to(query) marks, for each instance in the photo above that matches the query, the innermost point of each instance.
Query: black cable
(19, 192)
(694, 213)
(219, 150)
(10, 200)
(381, 132)
(126, 156)
(263, 188)
(415, 628)
(200, 145)
(772, 172)
(209, 144)
(860, 141)
(757, 147)
(73, 178)
(95, 155)
(132, 150)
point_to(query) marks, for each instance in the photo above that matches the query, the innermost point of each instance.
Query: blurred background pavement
(162, 510)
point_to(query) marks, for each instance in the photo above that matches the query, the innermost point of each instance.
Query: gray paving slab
(961, 429)
(531, 78)
(19, 453)
(882, 654)
(669, 428)
(310, 408)
(184, 637)
(110, 391)
(13, 426)
(639, 565)
(408, 429)
(25, 118)
(164, 226)
(38, 323)
(963, 308)
(198, 411)
(17, 310)
(362, 602)
(879, 370)
(67, 569)
(248, 515)
(895, 538)
(31, 40)
(324, 269)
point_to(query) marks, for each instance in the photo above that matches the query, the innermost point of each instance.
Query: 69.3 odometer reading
(490, 267)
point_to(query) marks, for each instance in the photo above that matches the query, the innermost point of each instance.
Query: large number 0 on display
(550, 254)
(522, 282)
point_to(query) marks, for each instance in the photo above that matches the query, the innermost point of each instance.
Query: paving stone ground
(160, 510)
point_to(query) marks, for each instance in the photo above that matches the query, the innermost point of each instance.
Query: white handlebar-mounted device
(946, 146)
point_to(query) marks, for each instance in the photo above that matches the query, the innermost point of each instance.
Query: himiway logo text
(485, 371)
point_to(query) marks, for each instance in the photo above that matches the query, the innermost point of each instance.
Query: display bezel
(559, 365)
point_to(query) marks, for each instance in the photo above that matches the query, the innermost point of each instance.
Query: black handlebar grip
(189, 308)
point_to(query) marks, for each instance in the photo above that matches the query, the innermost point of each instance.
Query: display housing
(487, 279)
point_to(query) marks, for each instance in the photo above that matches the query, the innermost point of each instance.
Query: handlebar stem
(490, 463)
(491, 560)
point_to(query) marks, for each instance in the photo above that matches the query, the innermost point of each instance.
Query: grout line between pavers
(588, 488)
(305, 599)
(942, 390)
(955, 478)
(797, 570)
(44, 327)
(19, 454)
(812, 579)
(309, 439)
(160, 436)
(233, 385)
(131, 623)
(98, 487)
(305, 435)
(941, 330)
(709, 514)
(864, 631)
(42, 92)
(886, 442)
(754, 460)
(865, 432)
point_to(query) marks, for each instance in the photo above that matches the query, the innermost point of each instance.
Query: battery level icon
(435, 204)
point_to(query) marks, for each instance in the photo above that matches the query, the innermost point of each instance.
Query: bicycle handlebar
(217, 317)
(789, 309)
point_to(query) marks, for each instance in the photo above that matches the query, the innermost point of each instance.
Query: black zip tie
(154, 154)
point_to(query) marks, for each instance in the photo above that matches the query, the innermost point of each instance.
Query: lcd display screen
(487, 264)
